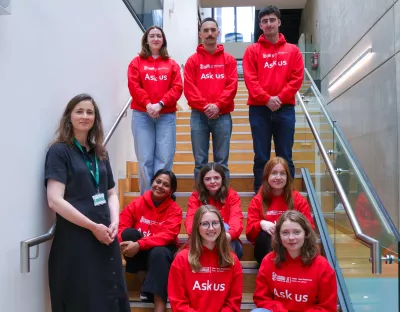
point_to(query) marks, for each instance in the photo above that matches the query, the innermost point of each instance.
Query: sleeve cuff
(230, 232)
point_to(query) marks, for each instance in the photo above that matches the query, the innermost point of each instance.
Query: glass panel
(367, 291)
(236, 23)
(225, 18)
(245, 23)
(149, 12)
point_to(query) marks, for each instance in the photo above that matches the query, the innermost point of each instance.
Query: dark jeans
(221, 131)
(266, 124)
(156, 261)
(262, 246)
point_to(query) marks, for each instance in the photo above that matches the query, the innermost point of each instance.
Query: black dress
(84, 274)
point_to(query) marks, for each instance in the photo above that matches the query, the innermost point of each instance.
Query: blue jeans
(220, 129)
(235, 245)
(155, 144)
(260, 310)
(266, 124)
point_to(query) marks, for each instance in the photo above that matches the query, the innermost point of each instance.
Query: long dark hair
(201, 188)
(145, 52)
(309, 250)
(195, 242)
(266, 190)
(65, 132)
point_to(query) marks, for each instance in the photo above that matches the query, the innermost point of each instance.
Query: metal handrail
(26, 244)
(373, 244)
(353, 164)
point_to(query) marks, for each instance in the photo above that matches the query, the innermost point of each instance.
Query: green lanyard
(89, 165)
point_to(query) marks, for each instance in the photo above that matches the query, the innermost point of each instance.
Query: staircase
(241, 179)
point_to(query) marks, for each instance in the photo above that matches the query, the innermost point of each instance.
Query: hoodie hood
(262, 40)
(150, 204)
(200, 49)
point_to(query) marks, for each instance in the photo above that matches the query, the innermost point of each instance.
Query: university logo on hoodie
(156, 73)
(212, 71)
(287, 291)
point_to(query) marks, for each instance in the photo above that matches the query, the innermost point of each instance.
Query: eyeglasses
(206, 225)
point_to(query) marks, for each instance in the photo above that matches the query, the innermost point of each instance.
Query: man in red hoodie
(273, 73)
(210, 85)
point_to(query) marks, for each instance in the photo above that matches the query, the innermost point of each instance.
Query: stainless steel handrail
(372, 243)
(26, 244)
(357, 171)
(117, 121)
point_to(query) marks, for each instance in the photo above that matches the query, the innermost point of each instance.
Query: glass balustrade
(367, 291)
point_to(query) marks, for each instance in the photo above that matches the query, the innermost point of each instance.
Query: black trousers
(156, 261)
(262, 246)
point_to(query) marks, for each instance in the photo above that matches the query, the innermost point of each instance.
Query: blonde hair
(195, 242)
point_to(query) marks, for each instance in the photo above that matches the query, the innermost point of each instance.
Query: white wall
(49, 52)
(310, 20)
(181, 30)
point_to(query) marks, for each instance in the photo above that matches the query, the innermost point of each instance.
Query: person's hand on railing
(102, 234)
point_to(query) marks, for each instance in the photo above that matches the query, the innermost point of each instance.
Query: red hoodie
(231, 212)
(275, 210)
(272, 70)
(211, 79)
(367, 217)
(213, 289)
(294, 287)
(160, 225)
(153, 80)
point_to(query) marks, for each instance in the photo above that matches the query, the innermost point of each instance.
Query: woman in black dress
(85, 266)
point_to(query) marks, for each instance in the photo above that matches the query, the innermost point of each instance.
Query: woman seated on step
(207, 275)
(275, 196)
(148, 231)
(213, 189)
(294, 277)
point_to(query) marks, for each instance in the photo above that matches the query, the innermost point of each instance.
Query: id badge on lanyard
(98, 199)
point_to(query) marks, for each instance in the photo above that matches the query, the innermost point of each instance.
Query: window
(236, 23)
